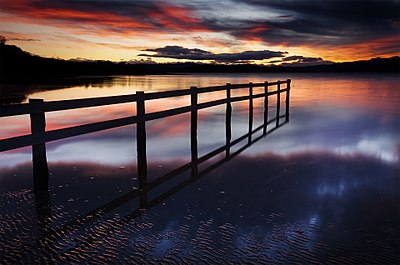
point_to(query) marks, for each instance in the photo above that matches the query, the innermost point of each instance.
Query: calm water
(324, 187)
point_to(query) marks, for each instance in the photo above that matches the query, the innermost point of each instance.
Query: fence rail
(37, 108)
(29, 108)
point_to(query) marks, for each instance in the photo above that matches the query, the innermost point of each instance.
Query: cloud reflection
(286, 208)
(339, 114)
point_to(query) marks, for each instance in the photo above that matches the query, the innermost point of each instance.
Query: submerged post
(250, 110)
(278, 103)
(228, 120)
(39, 159)
(193, 130)
(141, 146)
(43, 211)
(265, 107)
(287, 99)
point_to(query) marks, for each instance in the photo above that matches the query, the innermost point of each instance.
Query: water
(324, 187)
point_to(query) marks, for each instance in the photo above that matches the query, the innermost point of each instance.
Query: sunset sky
(224, 31)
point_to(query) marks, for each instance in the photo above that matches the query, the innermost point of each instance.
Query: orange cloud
(174, 17)
(388, 46)
(163, 18)
(95, 17)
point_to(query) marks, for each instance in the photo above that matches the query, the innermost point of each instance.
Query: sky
(297, 32)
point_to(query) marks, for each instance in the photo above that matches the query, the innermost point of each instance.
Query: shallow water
(322, 188)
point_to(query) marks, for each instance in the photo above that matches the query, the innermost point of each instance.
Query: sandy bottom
(308, 208)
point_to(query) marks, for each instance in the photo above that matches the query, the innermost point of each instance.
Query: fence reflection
(39, 137)
(42, 199)
(37, 109)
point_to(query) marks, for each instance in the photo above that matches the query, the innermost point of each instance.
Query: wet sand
(308, 208)
(322, 189)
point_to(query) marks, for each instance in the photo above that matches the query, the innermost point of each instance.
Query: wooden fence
(37, 108)
(51, 233)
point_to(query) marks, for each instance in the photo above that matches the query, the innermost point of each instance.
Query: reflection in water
(324, 188)
(278, 215)
(42, 196)
(346, 113)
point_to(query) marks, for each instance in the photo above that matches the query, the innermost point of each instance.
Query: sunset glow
(321, 31)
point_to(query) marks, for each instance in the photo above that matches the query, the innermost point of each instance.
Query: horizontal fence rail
(37, 108)
(27, 108)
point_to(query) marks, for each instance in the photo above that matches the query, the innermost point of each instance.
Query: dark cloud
(23, 39)
(178, 52)
(274, 61)
(311, 23)
(298, 60)
(302, 61)
(115, 16)
(292, 58)
(329, 22)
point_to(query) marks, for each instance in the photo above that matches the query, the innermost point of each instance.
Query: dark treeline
(17, 66)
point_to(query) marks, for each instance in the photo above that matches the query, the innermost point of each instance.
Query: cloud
(292, 58)
(289, 22)
(22, 39)
(298, 60)
(216, 41)
(179, 52)
(328, 27)
(14, 36)
(114, 17)
(118, 46)
(327, 23)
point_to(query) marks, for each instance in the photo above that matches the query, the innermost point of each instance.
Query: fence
(43, 202)
(51, 233)
(37, 108)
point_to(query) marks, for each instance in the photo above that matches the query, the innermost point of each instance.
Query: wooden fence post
(39, 159)
(228, 120)
(250, 110)
(278, 103)
(43, 211)
(265, 107)
(193, 130)
(141, 147)
(287, 99)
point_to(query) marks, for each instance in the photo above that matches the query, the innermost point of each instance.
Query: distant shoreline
(22, 73)
(17, 65)
(16, 92)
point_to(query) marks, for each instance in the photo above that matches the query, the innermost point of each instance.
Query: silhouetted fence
(143, 194)
(37, 108)
(51, 233)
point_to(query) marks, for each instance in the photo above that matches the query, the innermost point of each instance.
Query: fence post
(265, 107)
(43, 211)
(287, 99)
(250, 110)
(278, 103)
(141, 146)
(193, 130)
(228, 120)
(39, 159)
